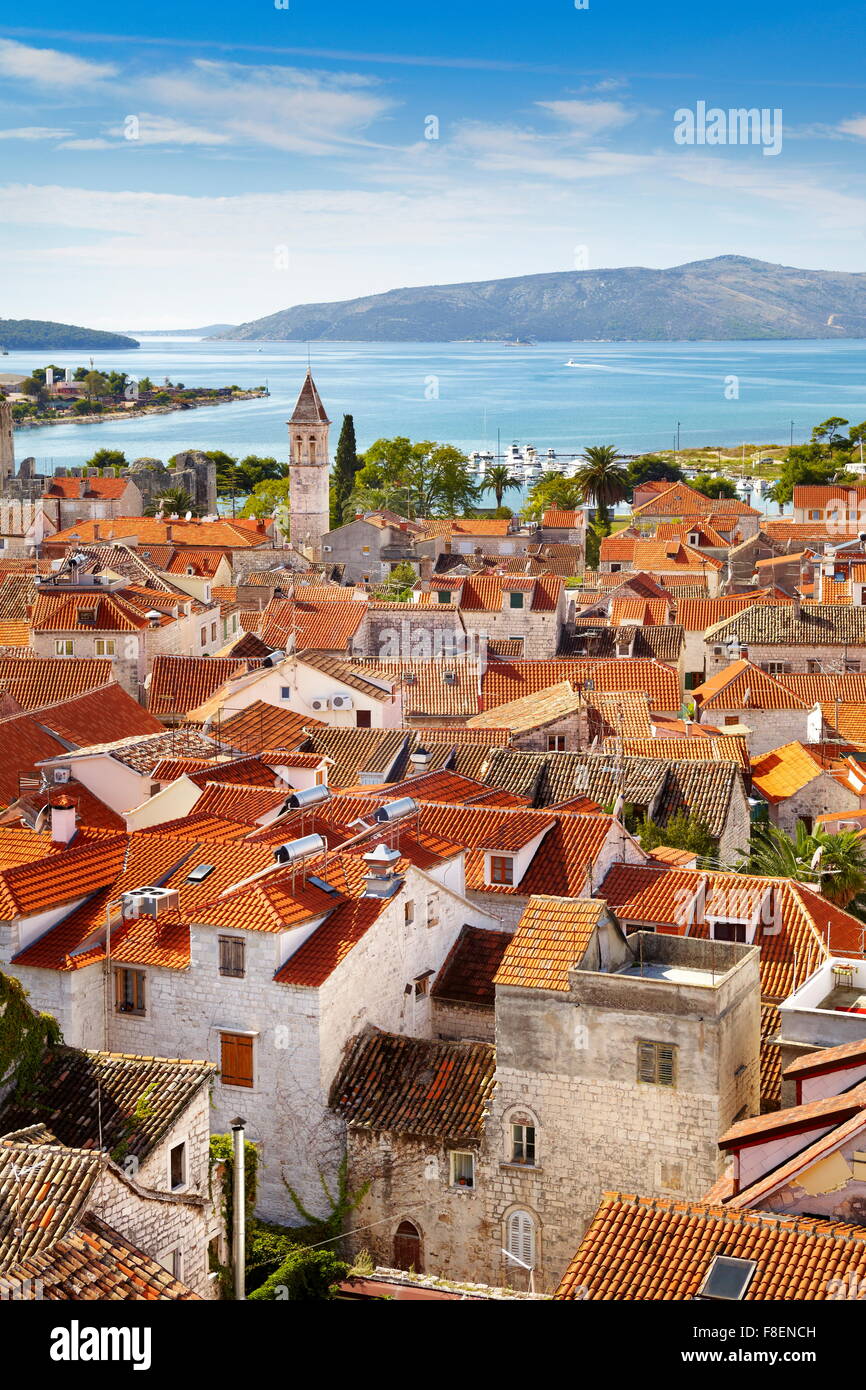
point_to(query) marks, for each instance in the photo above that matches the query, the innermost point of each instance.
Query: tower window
(657, 1063)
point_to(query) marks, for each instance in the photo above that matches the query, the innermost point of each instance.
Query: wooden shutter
(666, 1063)
(521, 1233)
(646, 1062)
(236, 1059)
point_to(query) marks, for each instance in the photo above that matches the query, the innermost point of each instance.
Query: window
(363, 719)
(409, 912)
(204, 637)
(523, 1143)
(729, 931)
(285, 692)
(64, 647)
(433, 910)
(213, 632)
(556, 743)
(129, 991)
(236, 1059)
(177, 1265)
(657, 1063)
(501, 868)
(813, 668)
(422, 984)
(727, 1278)
(104, 646)
(462, 1168)
(320, 777)
(515, 598)
(815, 515)
(407, 1248)
(520, 1238)
(807, 823)
(774, 668)
(177, 1166)
(443, 595)
(731, 719)
(852, 668)
(232, 956)
(365, 550)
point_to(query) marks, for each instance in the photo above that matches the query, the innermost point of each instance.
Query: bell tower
(309, 466)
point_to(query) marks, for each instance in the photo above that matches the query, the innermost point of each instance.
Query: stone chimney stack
(63, 820)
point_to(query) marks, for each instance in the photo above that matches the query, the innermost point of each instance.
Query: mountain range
(722, 298)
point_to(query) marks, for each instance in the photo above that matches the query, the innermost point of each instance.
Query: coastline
(103, 417)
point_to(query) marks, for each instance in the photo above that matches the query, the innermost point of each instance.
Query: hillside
(25, 335)
(727, 297)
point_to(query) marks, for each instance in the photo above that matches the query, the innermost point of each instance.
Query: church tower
(7, 447)
(309, 466)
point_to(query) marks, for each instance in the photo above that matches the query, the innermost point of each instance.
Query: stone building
(309, 463)
(619, 1062)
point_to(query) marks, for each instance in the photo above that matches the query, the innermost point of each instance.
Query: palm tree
(602, 479)
(172, 501)
(499, 479)
(834, 863)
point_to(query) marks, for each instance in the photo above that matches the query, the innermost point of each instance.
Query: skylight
(200, 873)
(727, 1278)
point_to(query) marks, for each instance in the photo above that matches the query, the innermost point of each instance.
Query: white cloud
(165, 130)
(278, 107)
(590, 117)
(855, 126)
(48, 67)
(34, 132)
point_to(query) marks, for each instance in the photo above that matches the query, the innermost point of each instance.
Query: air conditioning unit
(150, 902)
(320, 702)
(61, 774)
(342, 702)
(718, 651)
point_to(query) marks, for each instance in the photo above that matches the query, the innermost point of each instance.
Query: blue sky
(280, 156)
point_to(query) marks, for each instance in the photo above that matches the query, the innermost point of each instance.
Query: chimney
(96, 531)
(796, 607)
(169, 533)
(63, 819)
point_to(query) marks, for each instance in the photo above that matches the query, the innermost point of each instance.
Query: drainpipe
(239, 1234)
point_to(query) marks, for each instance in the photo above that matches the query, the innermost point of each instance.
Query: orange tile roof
(182, 683)
(672, 555)
(697, 614)
(784, 771)
(682, 500)
(466, 976)
(459, 526)
(262, 726)
(722, 748)
(744, 686)
(36, 681)
(484, 592)
(223, 534)
(14, 634)
(556, 517)
(504, 681)
(325, 626)
(61, 877)
(849, 720)
(827, 687)
(648, 1248)
(110, 489)
(814, 495)
(552, 937)
(648, 612)
(98, 716)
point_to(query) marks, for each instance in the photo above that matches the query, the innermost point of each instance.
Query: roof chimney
(63, 820)
(96, 535)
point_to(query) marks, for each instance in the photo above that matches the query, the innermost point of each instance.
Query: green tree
(602, 480)
(145, 385)
(829, 432)
(809, 464)
(714, 487)
(267, 498)
(253, 470)
(552, 491)
(398, 587)
(834, 863)
(649, 468)
(499, 479)
(117, 383)
(422, 479)
(36, 389)
(83, 407)
(173, 501)
(681, 832)
(107, 458)
(305, 1276)
(96, 385)
(346, 467)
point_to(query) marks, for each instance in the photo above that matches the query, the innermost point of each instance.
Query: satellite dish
(816, 858)
(188, 516)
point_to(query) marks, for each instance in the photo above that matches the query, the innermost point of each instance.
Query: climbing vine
(222, 1157)
(24, 1036)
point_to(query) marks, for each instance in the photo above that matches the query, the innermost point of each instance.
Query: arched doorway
(407, 1248)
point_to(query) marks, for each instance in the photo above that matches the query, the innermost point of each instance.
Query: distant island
(54, 395)
(727, 297)
(210, 330)
(34, 335)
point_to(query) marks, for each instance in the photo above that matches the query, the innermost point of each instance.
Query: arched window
(407, 1248)
(521, 1238)
(312, 444)
(299, 448)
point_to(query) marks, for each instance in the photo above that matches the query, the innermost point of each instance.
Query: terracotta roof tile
(415, 1086)
(552, 937)
(640, 1248)
(37, 681)
(784, 771)
(466, 976)
(509, 680)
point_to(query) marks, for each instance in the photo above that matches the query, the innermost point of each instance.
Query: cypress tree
(346, 465)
